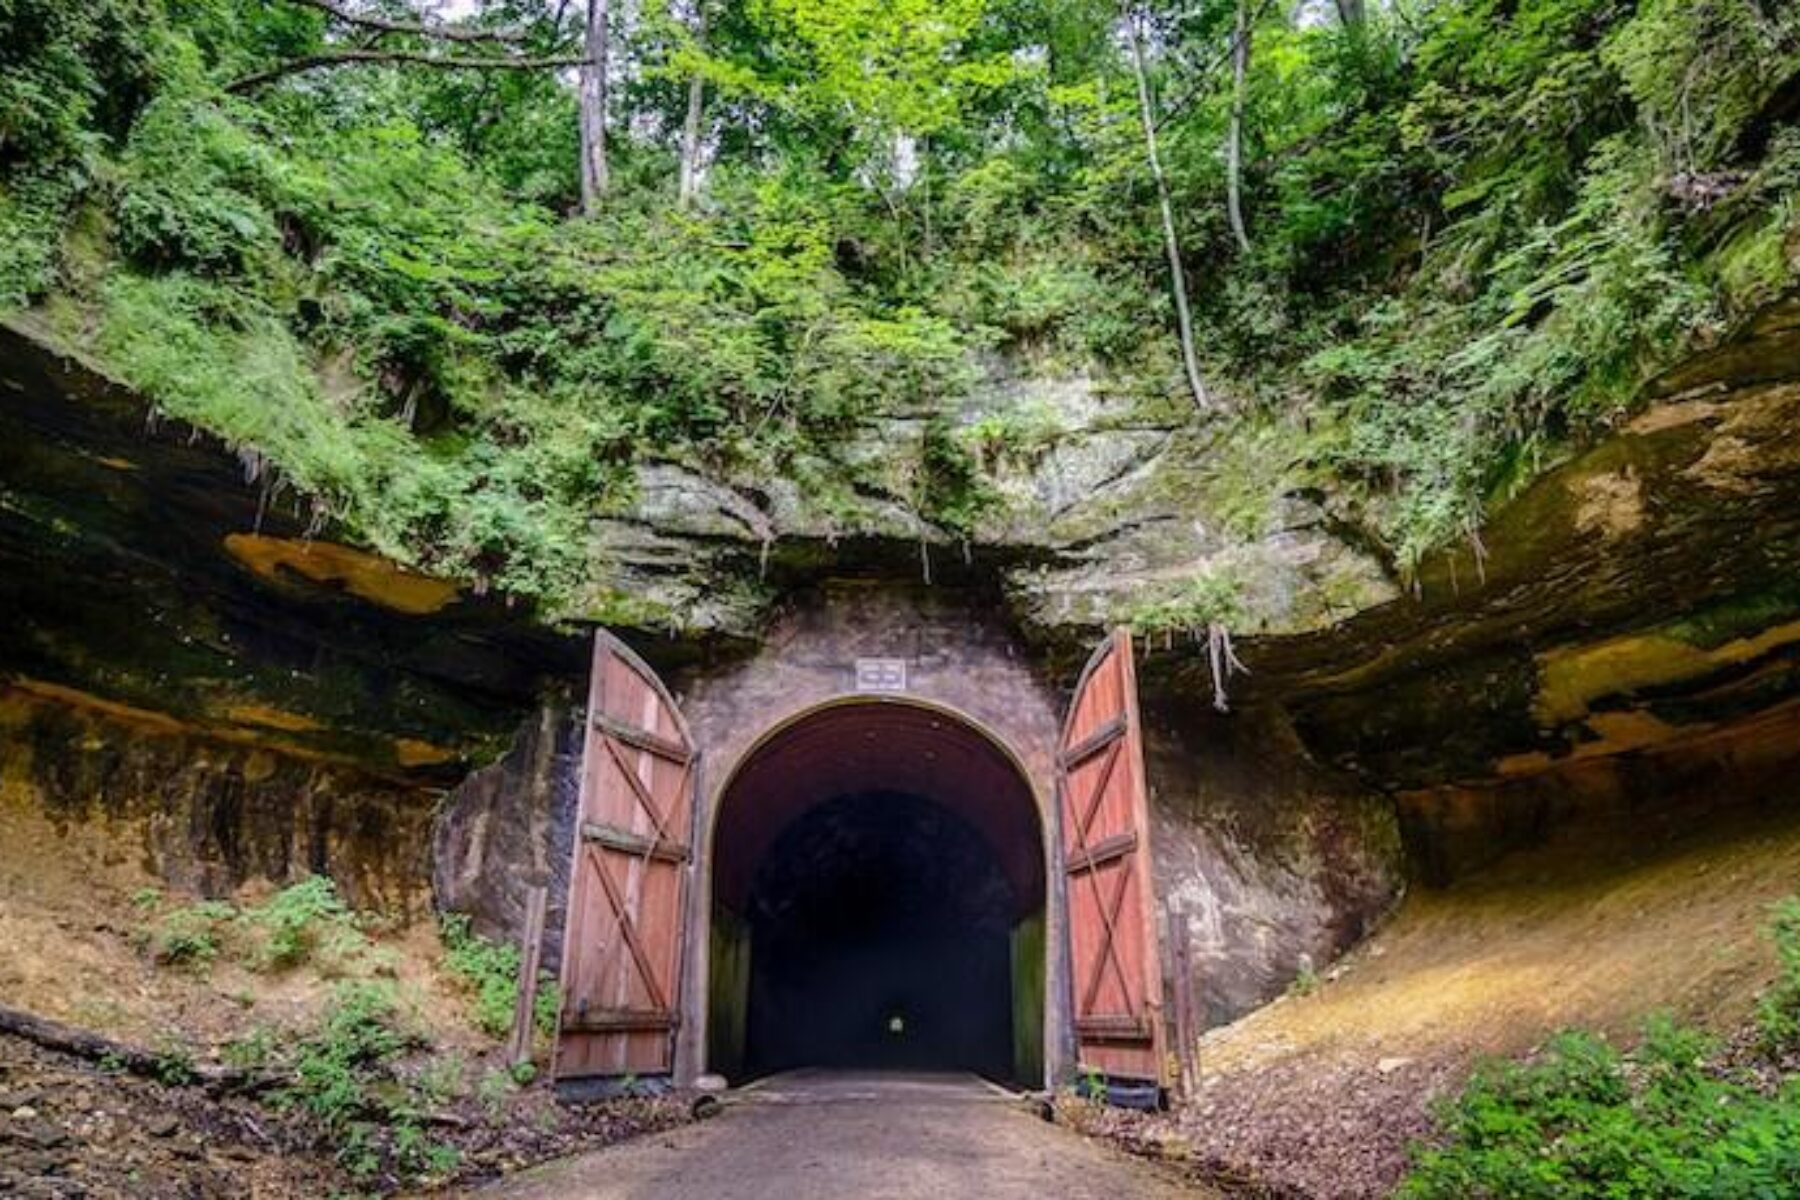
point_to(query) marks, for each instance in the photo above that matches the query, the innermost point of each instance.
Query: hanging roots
(1223, 661)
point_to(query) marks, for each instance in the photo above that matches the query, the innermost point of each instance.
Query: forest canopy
(450, 272)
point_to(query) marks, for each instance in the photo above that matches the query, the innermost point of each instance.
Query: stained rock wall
(209, 815)
(508, 828)
(190, 660)
(1265, 863)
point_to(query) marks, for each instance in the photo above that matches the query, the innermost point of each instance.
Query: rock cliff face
(185, 648)
(1087, 508)
(184, 653)
(1628, 634)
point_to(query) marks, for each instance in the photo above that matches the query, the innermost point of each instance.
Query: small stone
(1388, 1066)
(162, 1125)
(32, 1132)
(24, 1113)
(710, 1083)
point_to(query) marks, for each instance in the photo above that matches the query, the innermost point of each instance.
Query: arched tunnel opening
(878, 900)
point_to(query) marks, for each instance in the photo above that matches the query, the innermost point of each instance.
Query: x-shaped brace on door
(1109, 909)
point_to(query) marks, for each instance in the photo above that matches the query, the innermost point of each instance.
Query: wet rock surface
(144, 564)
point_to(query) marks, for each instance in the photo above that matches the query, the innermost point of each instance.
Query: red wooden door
(621, 968)
(1115, 968)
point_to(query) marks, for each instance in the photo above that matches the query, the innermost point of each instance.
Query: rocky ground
(77, 951)
(70, 1128)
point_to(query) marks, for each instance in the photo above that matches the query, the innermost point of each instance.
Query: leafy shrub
(345, 1076)
(191, 190)
(1778, 1010)
(305, 922)
(191, 935)
(1672, 1117)
(360, 1036)
(489, 970)
(300, 920)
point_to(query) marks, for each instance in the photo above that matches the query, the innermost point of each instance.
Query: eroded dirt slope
(1319, 1093)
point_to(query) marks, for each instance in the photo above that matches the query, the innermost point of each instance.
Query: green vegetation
(1677, 1115)
(489, 970)
(305, 923)
(364, 1074)
(345, 1075)
(1474, 228)
(1193, 607)
(1778, 1012)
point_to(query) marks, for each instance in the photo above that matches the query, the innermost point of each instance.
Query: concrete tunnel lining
(830, 776)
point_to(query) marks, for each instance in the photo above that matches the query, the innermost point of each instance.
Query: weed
(251, 1052)
(1778, 1010)
(487, 969)
(495, 1089)
(298, 921)
(442, 1079)
(174, 1065)
(190, 936)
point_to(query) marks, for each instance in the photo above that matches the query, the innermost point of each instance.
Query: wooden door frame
(691, 1038)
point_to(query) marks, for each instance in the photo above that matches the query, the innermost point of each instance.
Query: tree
(1184, 321)
(1234, 140)
(595, 176)
(383, 40)
(688, 189)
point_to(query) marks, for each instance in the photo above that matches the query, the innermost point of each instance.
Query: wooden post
(531, 950)
(1186, 1035)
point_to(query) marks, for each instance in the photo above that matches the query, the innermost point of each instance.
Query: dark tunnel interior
(881, 927)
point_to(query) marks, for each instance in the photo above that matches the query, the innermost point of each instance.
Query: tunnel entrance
(878, 899)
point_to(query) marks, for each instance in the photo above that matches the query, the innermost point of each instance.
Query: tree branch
(329, 59)
(1203, 78)
(446, 33)
(53, 1035)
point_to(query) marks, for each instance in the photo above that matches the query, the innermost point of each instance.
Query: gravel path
(829, 1136)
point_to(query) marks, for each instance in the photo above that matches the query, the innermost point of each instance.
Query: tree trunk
(1352, 12)
(1177, 277)
(690, 128)
(1234, 143)
(594, 176)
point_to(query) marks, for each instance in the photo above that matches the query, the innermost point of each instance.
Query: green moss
(1740, 617)
(1203, 600)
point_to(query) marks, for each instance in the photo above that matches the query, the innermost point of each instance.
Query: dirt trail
(828, 1136)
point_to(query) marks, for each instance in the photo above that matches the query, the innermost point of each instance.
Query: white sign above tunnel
(881, 674)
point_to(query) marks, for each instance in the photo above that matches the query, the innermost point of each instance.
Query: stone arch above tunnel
(871, 860)
(864, 744)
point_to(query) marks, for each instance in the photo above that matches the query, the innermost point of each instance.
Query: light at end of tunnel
(896, 1024)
